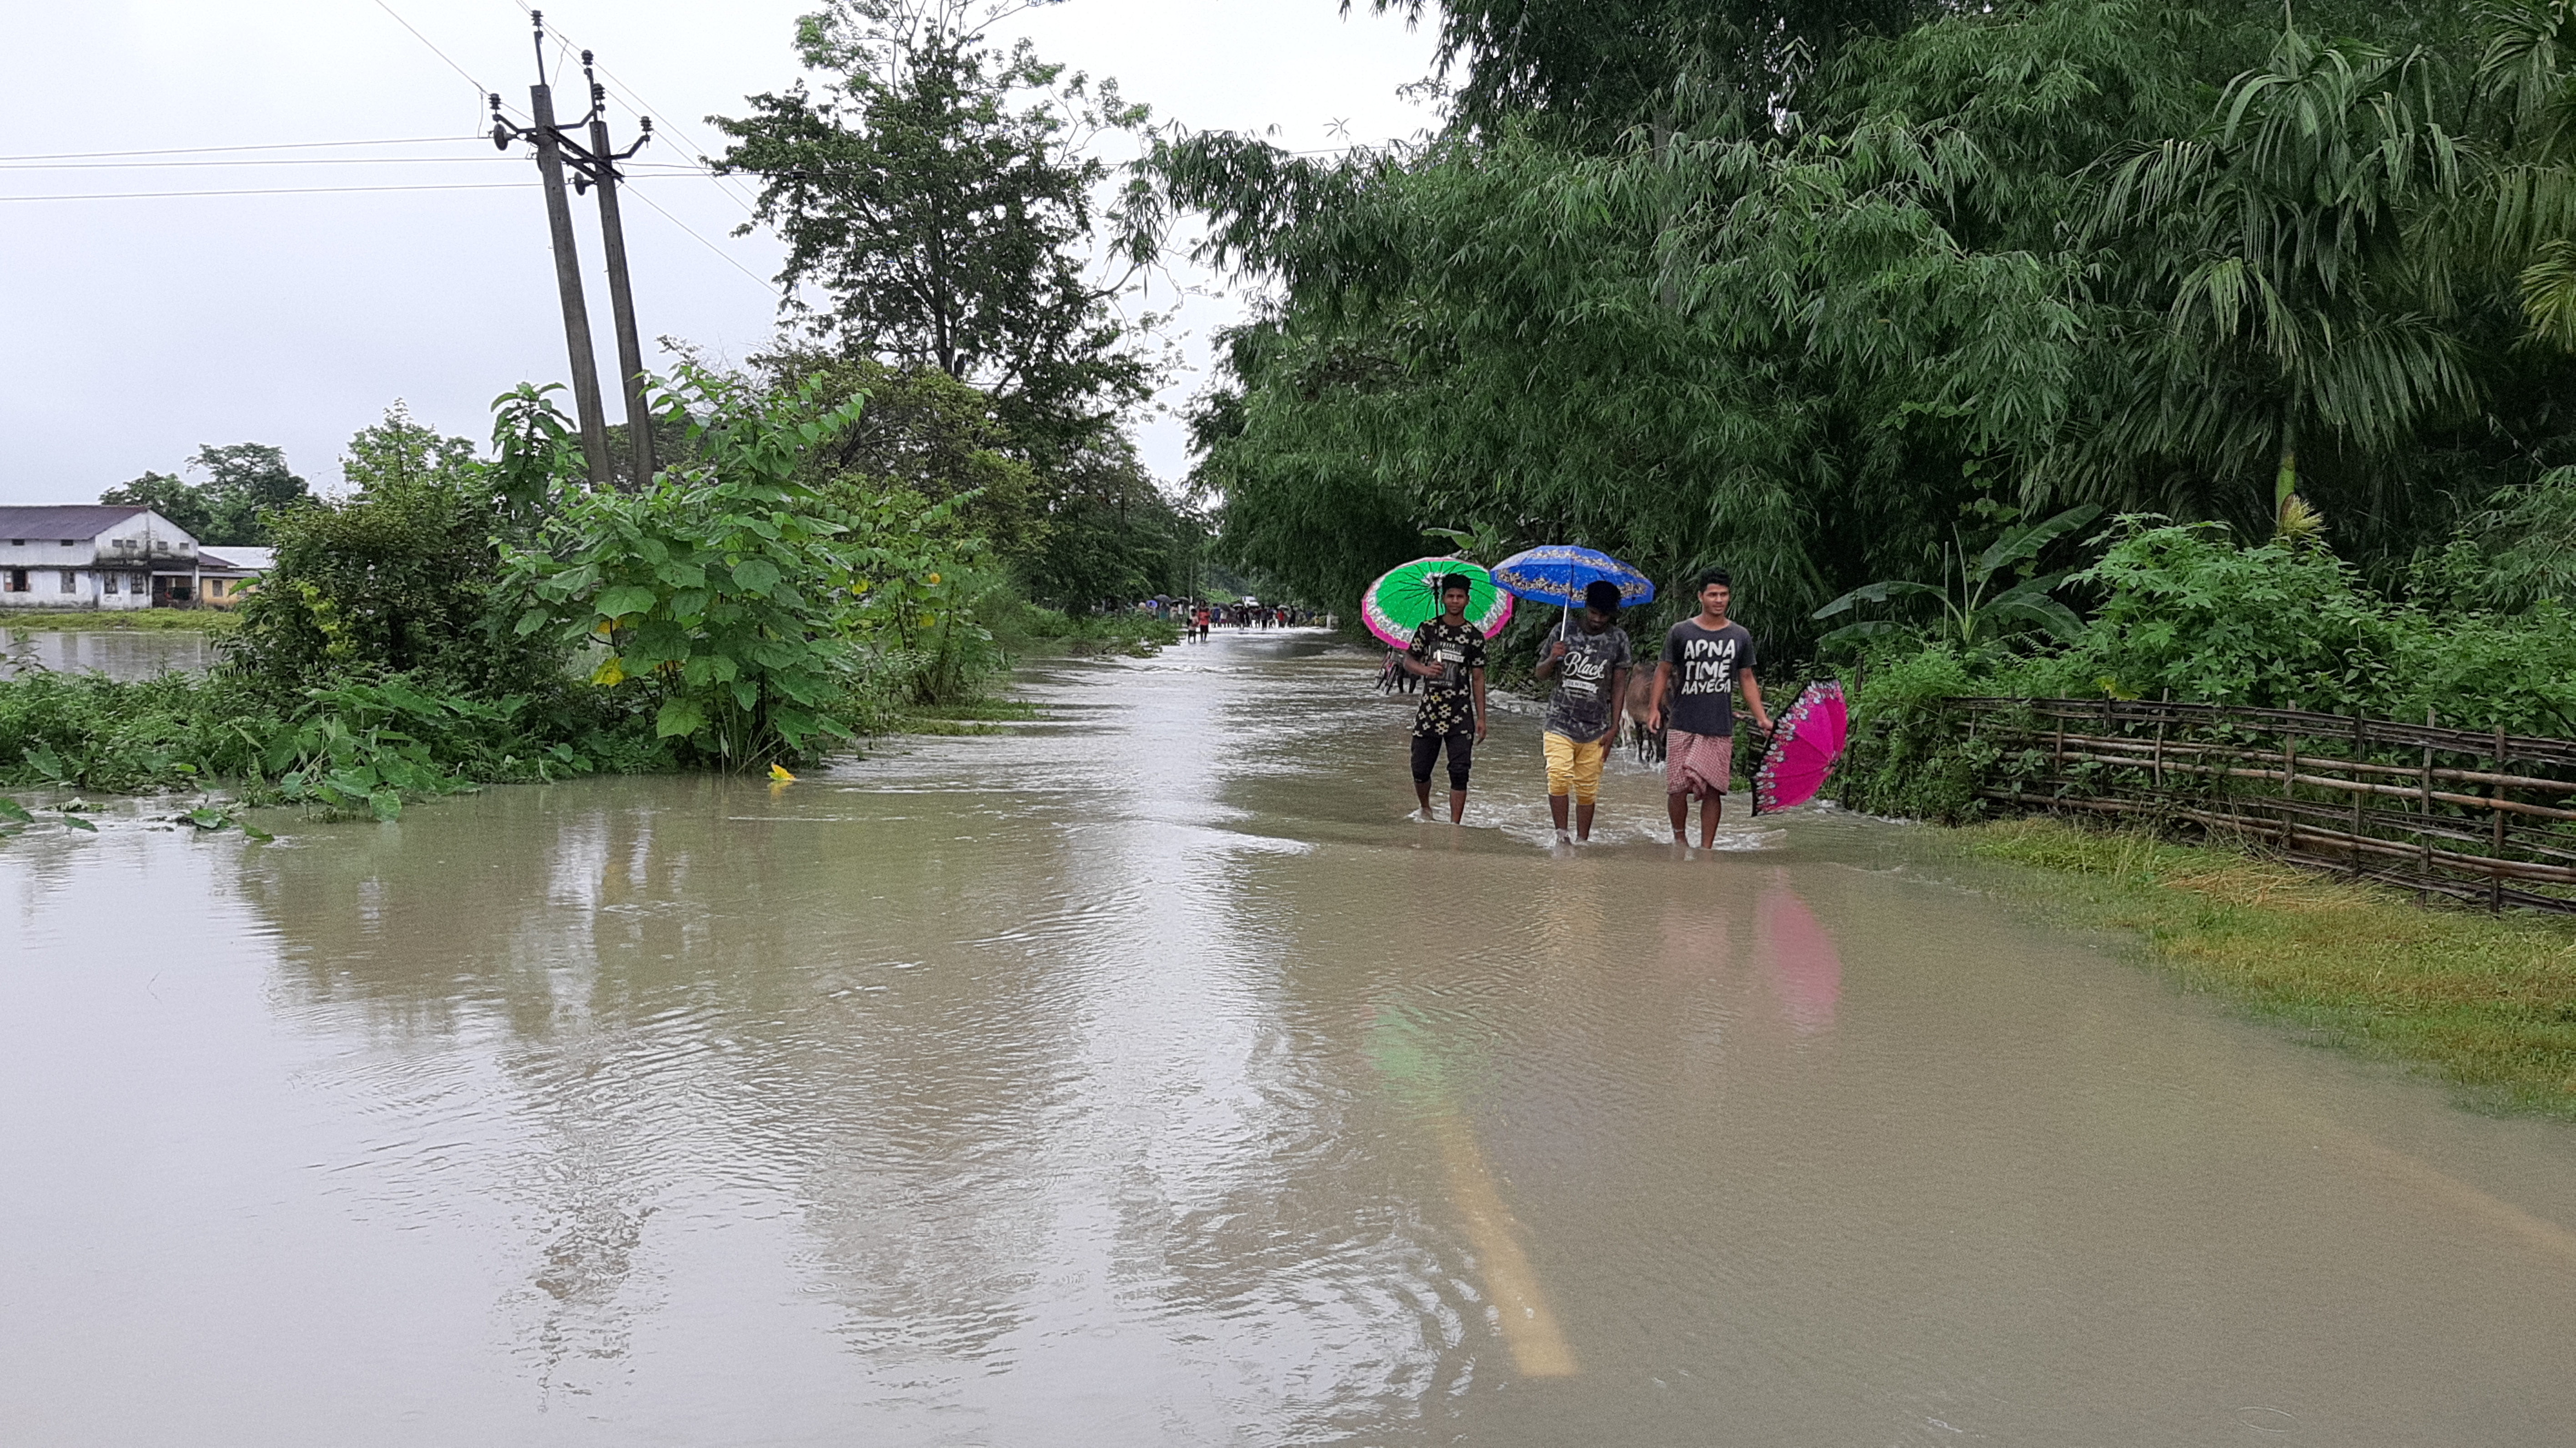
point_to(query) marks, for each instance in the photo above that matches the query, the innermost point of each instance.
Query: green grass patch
(1021, 627)
(976, 710)
(963, 716)
(2485, 1003)
(150, 620)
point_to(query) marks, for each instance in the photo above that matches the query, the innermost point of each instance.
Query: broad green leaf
(1879, 592)
(2026, 542)
(1858, 632)
(755, 575)
(679, 718)
(622, 600)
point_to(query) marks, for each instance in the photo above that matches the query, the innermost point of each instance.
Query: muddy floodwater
(118, 653)
(1144, 1076)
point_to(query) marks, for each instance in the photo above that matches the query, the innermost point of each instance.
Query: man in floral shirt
(1448, 655)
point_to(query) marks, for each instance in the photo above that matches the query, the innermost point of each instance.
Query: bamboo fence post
(2495, 877)
(2157, 769)
(2289, 783)
(2425, 834)
(2359, 747)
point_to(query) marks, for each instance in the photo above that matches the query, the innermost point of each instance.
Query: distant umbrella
(1805, 742)
(1559, 572)
(1407, 596)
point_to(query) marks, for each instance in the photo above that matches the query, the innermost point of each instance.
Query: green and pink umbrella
(1407, 596)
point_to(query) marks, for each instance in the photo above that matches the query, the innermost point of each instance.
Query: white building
(94, 555)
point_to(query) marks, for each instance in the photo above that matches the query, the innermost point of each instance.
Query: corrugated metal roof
(226, 555)
(66, 520)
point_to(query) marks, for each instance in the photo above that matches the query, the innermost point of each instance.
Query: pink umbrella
(1804, 745)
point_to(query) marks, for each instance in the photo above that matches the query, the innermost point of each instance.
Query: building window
(68, 542)
(17, 580)
(107, 583)
(71, 581)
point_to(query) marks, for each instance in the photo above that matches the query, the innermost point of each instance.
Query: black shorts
(1462, 753)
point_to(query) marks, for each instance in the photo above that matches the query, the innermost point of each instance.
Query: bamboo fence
(2478, 816)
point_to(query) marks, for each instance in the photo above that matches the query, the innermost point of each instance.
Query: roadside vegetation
(2190, 613)
(458, 621)
(854, 533)
(2484, 1004)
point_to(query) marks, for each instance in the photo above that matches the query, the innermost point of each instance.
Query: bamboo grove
(1821, 291)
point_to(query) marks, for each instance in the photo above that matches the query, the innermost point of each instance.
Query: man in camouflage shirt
(1448, 655)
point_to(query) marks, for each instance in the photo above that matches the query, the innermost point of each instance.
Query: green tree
(922, 432)
(396, 578)
(1594, 69)
(938, 190)
(399, 453)
(2280, 239)
(173, 497)
(246, 484)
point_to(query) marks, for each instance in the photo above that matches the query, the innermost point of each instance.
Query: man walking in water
(1704, 659)
(1594, 661)
(1448, 655)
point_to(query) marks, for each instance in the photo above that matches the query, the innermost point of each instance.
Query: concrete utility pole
(594, 165)
(621, 295)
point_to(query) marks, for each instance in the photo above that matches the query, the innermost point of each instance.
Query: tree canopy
(247, 482)
(1805, 290)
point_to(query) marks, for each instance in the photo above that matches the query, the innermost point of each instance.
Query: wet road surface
(1146, 1076)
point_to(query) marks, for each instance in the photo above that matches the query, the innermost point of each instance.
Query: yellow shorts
(1575, 768)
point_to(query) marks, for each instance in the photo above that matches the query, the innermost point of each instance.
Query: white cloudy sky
(141, 327)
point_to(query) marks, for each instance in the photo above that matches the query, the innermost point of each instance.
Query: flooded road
(1145, 1076)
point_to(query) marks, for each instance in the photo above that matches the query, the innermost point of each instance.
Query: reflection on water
(1143, 1076)
(118, 653)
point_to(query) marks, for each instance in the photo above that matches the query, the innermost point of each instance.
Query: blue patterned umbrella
(1559, 572)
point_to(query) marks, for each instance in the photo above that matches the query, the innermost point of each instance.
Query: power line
(280, 146)
(771, 287)
(480, 90)
(260, 161)
(278, 191)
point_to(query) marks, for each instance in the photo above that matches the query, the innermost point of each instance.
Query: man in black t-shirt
(1705, 659)
(1448, 655)
(1590, 663)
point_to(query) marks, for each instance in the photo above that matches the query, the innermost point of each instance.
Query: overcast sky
(141, 327)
